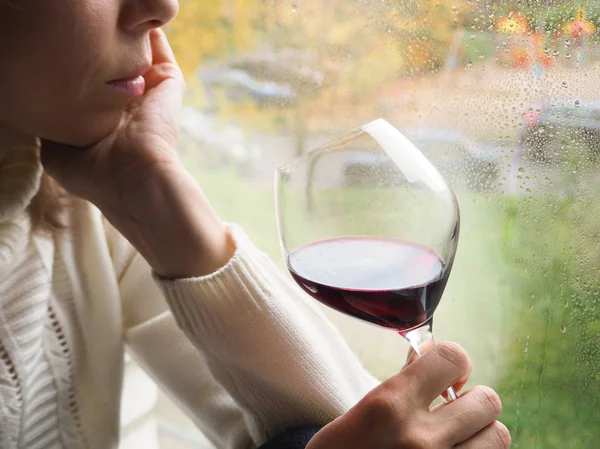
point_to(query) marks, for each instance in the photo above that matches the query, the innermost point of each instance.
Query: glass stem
(421, 340)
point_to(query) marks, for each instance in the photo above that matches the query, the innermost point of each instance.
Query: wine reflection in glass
(369, 227)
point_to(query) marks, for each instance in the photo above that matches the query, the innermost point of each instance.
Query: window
(510, 85)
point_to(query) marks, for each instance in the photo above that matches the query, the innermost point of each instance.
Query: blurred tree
(340, 52)
(423, 31)
(212, 28)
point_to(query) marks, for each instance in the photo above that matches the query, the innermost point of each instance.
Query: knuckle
(501, 435)
(380, 406)
(455, 354)
(489, 400)
(415, 440)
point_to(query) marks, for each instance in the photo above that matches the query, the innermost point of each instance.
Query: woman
(138, 259)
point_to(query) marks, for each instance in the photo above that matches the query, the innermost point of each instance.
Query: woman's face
(58, 57)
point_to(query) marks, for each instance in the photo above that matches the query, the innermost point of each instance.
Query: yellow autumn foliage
(357, 46)
(210, 28)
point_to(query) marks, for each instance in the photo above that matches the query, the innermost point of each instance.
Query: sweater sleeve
(262, 347)
(266, 342)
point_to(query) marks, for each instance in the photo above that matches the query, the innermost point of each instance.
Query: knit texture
(242, 351)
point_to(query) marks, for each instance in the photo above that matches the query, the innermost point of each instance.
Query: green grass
(552, 387)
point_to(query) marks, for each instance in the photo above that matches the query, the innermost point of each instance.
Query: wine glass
(369, 227)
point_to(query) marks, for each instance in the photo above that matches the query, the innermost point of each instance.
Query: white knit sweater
(242, 351)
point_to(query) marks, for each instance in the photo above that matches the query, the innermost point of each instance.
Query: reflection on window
(502, 95)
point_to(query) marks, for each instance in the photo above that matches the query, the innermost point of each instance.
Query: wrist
(171, 223)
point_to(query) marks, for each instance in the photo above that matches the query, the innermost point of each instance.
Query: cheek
(53, 86)
(47, 115)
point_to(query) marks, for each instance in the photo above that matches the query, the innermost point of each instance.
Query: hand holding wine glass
(396, 414)
(369, 227)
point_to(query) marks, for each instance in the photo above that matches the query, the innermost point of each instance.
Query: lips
(133, 87)
(135, 73)
(132, 84)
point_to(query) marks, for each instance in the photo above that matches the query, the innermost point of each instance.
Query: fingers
(471, 412)
(495, 436)
(161, 49)
(446, 365)
(165, 88)
(164, 64)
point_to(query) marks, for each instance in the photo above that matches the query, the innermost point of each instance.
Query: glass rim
(330, 146)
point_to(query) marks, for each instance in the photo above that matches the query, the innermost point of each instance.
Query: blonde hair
(47, 206)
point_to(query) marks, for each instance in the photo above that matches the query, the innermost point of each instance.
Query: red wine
(391, 283)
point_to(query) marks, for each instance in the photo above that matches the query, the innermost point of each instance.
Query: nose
(144, 15)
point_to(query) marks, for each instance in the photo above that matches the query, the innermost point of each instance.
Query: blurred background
(503, 96)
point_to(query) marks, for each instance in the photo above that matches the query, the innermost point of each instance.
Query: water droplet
(564, 84)
(556, 53)
(568, 55)
(577, 103)
(567, 43)
(521, 169)
(469, 65)
(294, 7)
(563, 329)
(566, 304)
(455, 10)
(473, 37)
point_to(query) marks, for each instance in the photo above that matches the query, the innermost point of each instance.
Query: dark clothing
(294, 439)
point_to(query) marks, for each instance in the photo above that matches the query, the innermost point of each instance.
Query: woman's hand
(135, 178)
(397, 414)
(113, 172)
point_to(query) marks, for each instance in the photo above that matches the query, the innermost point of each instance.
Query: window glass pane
(501, 95)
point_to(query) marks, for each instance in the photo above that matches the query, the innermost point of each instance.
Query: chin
(85, 132)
